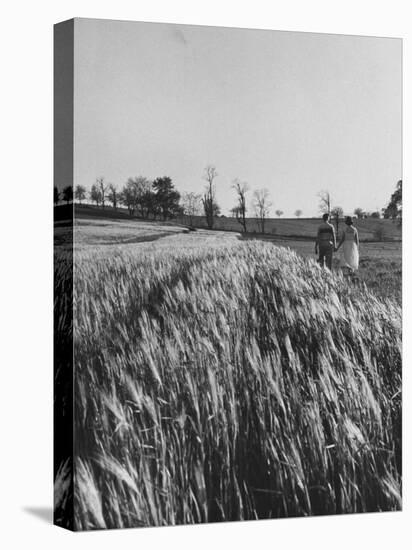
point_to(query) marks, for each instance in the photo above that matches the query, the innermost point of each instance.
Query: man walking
(325, 242)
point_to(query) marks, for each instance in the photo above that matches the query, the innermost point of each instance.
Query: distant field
(99, 231)
(105, 238)
(305, 228)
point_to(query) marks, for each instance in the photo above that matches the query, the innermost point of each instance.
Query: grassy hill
(219, 379)
(216, 383)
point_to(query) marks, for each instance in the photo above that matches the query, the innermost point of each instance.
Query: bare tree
(241, 188)
(80, 193)
(337, 213)
(209, 198)
(324, 202)
(102, 188)
(127, 197)
(359, 213)
(113, 195)
(261, 204)
(142, 186)
(95, 194)
(279, 213)
(298, 213)
(192, 204)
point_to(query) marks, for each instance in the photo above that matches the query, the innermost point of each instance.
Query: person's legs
(321, 257)
(325, 256)
(328, 257)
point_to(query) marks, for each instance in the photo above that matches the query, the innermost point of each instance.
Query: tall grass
(231, 383)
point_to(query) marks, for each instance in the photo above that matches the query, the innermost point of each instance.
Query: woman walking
(350, 242)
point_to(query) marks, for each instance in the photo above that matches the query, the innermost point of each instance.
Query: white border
(26, 269)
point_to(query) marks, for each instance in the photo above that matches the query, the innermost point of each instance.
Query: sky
(292, 112)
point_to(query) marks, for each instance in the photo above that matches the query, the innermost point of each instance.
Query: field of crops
(219, 379)
(380, 263)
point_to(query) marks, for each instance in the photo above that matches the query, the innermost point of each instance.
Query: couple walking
(326, 244)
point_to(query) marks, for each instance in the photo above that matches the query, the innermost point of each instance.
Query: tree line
(141, 197)
(159, 199)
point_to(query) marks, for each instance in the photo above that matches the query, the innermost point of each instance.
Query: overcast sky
(293, 112)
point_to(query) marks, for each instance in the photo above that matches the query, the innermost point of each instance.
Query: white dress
(350, 251)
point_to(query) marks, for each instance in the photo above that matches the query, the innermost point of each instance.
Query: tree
(103, 189)
(394, 208)
(216, 210)
(376, 214)
(210, 206)
(298, 213)
(148, 204)
(68, 194)
(142, 186)
(113, 195)
(324, 202)
(134, 195)
(127, 197)
(241, 188)
(359, 213)
(192, 204)
(56, 196)
(261, 204)
(167, 198)
(279, 213)
(80, 193)
(209, 199)
(95, 194)
(337, 213)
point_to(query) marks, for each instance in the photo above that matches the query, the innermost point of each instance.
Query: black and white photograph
(205, 275)
(228, 271)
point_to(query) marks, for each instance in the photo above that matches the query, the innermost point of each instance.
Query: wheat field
(222, 380)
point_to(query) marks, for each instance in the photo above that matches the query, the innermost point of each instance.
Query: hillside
(275, 384)
(305, 228)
